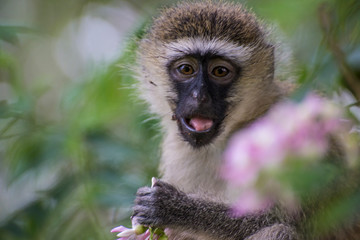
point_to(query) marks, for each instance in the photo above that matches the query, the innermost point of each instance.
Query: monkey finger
(165, 186)
(145, 221)
(144, 201)
(160, 183)
(150, 221)
(142, 211)
(144, 191)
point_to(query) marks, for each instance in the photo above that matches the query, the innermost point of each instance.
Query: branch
(350, 78)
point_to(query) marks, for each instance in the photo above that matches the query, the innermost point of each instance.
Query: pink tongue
(201, 124)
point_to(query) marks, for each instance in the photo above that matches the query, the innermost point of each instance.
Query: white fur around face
(187, 46)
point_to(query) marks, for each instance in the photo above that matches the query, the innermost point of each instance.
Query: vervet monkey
(207, 69)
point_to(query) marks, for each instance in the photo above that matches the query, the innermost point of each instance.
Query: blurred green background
(76, 143)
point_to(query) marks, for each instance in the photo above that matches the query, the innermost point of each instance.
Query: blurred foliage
(94, 157)
(102, 146)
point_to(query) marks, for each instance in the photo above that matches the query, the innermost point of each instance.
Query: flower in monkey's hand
(136, 232)
(290, 133)
(140, 232)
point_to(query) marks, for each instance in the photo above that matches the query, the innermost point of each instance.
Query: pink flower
(250, 201)
(124, 233)
(288, 131)
(250, 151)
(136, 233)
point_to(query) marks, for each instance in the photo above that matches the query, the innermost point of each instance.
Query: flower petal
(119, 229)
(126, 233)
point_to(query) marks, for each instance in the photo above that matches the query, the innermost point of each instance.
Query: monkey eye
(220, 71)
(186, 69)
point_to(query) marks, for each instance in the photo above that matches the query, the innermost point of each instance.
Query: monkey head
(198, 66)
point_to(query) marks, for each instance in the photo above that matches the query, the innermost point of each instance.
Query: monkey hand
(160, 205)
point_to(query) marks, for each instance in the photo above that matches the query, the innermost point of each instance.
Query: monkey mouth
(198, 124)
(198, 130)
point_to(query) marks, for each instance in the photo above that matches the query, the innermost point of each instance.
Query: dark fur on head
(208, 20)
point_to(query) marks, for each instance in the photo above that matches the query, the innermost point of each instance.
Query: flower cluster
(139, 232)
(288, 131)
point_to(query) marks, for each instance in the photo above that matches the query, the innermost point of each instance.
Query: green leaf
(10, 33)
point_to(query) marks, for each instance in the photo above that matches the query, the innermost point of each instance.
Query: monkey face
(202, 84)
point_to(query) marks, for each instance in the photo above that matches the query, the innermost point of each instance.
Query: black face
(202, 84)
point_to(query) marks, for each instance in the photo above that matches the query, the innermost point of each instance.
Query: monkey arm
(167, 207)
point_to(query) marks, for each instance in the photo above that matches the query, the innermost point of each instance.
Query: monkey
(207, 69)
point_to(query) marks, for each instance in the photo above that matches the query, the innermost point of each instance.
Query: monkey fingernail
(153, 181)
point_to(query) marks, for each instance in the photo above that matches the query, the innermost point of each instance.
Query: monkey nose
(200, 96)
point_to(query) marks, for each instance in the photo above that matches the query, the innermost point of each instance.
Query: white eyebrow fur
(188, 46)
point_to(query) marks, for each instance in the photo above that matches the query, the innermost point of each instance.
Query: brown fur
(207, 19)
